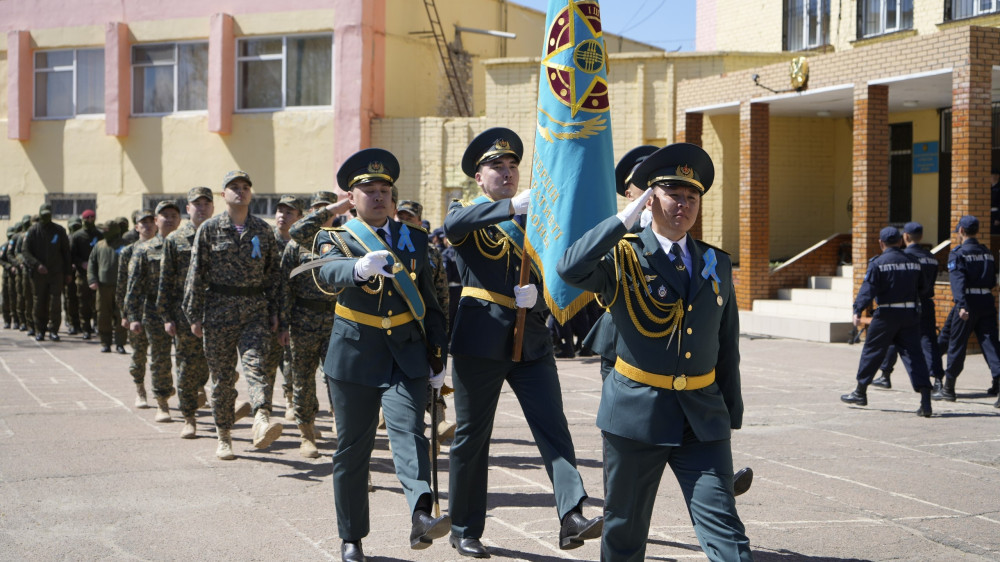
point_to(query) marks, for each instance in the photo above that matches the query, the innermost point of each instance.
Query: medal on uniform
(662, 291)
(711, 260)
(718, 299)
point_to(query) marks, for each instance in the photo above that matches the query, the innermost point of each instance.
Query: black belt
(316, 305)
(234, 291)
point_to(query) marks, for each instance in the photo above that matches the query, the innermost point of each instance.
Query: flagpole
(521, 312)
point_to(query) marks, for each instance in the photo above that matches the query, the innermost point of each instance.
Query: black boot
(937, 387)
(947, 391)
(925, 403)
(995, 389)
(858, 396)
(883, 381)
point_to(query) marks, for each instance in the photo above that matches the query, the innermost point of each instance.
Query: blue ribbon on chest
(404, 239)
(256, 247)
(711, 261)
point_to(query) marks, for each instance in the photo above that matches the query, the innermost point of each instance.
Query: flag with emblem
(572, 175)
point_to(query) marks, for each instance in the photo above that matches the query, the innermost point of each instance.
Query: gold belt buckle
(386, 323)
(680, 383)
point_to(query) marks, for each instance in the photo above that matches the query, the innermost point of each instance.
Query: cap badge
(501, 144)
(376, 168)
(685, 171)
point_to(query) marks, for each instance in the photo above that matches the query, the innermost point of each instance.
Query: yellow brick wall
(720, 214)
(748, 25)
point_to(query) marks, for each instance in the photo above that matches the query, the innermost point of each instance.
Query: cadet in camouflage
(192, 367)
(140, 304)
(25, 292)
(71, 305)
(145, 228)
(231, 300)
(82, 243)
(289, 211)
(102, 273)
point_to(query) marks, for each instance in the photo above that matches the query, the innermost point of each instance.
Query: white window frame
(176, 64)
(283, 57)
(821, 21)
(977, 9)
(883, 23)
(67, 68)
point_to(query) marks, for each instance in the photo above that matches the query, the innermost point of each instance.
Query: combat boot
(289, 407)
(858, 396)
(264, 430)
(995, 388)
(140, 396)
(225, 449)
(446, 429)
(947, 391)
(189, 430)
(241, 410)
(163, 410)
(883, 381)
(925, 403)
(308, 447)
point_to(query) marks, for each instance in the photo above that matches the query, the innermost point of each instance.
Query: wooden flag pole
(521, 312)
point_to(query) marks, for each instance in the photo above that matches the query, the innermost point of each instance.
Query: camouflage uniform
(279, 355)
(238, 278)
(46, 243)
(140, 306)
(19, 309)
(192, 368)
(307, 313)
(8, 280)
(82, 243)
(139, 342)
(102, 269)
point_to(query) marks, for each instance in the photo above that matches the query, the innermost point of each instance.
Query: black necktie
(383, 234)
(682, 272)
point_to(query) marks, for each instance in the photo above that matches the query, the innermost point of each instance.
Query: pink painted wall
(221, 74)
(40, 14)
(117, 86)
(19, 85)
(705, 25)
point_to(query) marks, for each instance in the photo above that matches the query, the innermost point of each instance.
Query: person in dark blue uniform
(488, 237)
(973, 274)
(673, 396)
(913, 233)
(389, 333)
(894, 281)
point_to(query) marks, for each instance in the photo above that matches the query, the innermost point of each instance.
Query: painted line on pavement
(21, 382)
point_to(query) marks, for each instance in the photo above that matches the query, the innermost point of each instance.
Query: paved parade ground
(85, 476)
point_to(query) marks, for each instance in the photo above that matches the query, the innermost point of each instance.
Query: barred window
(69, 205)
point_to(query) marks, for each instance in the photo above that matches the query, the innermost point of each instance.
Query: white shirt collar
(666, 243)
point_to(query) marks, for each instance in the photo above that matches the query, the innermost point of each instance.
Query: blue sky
(668, 24)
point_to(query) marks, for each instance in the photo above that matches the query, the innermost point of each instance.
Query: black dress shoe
(31, 332)
(855, 398)
(468, 546)
(882, 382)
(87, 335)
(40, 336)
(72, 331)
(54, 336)
(742, 481)
(426, 528)
(995, 389)
(924, 412)
(105, 349)
(576, 528)
(120, 349)
(6, 325)
(351, 552)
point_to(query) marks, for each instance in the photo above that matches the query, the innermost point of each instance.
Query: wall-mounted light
(822, 113)
(911, 103)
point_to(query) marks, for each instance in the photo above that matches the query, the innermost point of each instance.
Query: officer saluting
(488, 237)
(674, 394)
(895, 281)
(973, 275)
(388, 330)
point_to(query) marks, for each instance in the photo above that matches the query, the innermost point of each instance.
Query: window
(65, 206)
(151, 201)
(169, 77)
(69, 83)
(876, 17)
(961, 9)
(900, 172)
(264, 205)
(5, 207)
(279, 72)
(806, 24)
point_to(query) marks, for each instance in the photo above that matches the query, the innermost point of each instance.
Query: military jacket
(701, 333)
(892, 277)
(143, 281)
(972, 270)
(81, 243)
(47, 244)
(220, 256)
(6, 253)
(173, 271)
(363, 354)
(121, 282)
(102, 264)
(482, 328)
(928, 268)
(304, 230)
(303, 294)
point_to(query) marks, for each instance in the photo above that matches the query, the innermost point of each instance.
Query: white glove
(631, 213)
(525, 296)
(372, 263)
(520, 202)
(437, 381)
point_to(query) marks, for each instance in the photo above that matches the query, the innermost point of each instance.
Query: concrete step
(817, 297)
(840, 284)
(755, 323)
(783, 308)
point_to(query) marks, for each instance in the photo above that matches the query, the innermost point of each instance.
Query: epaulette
(716, 248)
(464, 202)
(332, 228)
(415, 227)
(631, 236)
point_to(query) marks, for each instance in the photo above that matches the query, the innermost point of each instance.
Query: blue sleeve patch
(952, 265)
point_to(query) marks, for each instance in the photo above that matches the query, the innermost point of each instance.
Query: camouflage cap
(75, 220)
(291, 201)
(167, 205)
(235, 175)
(412, 207)
(142, 214)
(196, 193)
(45, 209)
(323, 198)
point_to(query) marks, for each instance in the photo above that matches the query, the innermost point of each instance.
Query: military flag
(572, 175)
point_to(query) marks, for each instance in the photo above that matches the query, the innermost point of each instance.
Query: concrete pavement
(83, 475)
